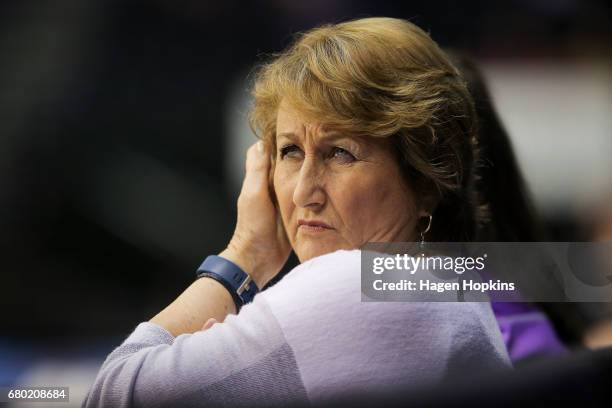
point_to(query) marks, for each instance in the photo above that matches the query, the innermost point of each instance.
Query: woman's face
(337, 191)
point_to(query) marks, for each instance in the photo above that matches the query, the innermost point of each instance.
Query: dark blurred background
(122, 139)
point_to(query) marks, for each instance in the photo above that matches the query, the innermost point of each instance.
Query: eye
(342, 155)
(291, 150)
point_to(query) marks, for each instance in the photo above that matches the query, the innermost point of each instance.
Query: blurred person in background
(368, 133)
(527, 331)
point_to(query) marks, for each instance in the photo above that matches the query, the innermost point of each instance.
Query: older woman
(367, 134)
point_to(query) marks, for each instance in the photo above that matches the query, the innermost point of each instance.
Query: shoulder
(319, 308)
(327, 278)
(326, 292)
(340, 260)
(334, 266)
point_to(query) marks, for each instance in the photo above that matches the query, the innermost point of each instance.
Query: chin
(308, 251)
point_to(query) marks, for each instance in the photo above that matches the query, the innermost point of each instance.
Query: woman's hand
(259, 245)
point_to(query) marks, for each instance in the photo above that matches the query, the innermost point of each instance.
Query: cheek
(365, 201)
(374, 203)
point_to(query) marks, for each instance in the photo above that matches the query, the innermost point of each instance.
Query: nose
(309, 192)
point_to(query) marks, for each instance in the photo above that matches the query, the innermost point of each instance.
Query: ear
(427, 205)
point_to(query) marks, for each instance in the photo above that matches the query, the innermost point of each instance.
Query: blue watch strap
(238, 282)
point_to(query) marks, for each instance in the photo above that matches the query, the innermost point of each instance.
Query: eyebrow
(331, 135)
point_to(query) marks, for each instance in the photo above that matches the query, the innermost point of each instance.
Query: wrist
(246, 263)
(239, 284)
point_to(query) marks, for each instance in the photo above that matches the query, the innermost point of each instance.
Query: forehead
(289, 120)
(290, 124)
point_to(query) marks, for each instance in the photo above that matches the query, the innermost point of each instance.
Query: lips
(313, 225)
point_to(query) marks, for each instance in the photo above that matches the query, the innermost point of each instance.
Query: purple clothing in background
(526, 331)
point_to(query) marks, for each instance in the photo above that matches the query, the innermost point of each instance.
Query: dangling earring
(425, 231)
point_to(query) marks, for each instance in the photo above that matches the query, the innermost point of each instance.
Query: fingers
(257, 158)
(209, 323)
(257, 169)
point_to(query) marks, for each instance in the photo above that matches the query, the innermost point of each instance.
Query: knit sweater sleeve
(242, 360)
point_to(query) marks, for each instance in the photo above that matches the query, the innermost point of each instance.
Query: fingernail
(260, 147)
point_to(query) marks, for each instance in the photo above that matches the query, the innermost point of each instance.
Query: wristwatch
(239, 284)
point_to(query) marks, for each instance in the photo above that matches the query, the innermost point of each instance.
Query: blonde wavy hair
(386, 78)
